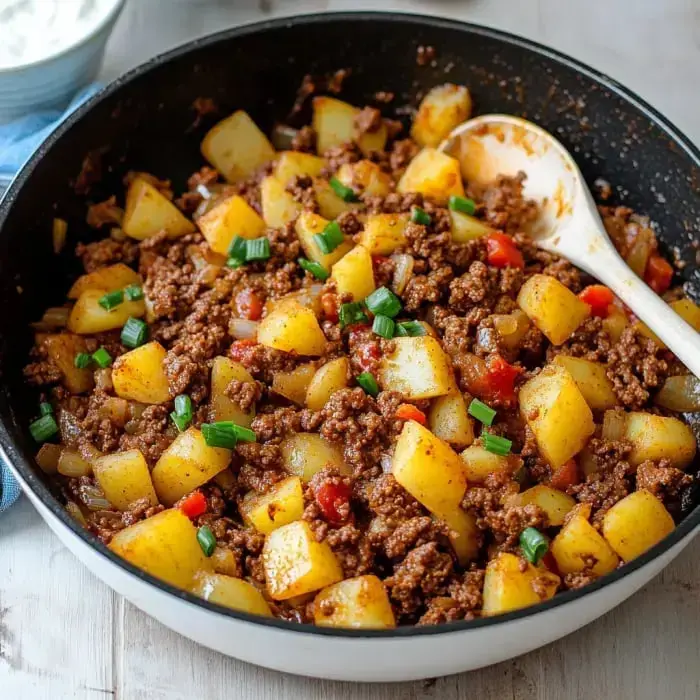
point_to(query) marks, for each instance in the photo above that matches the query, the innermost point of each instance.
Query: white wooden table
(65, 635)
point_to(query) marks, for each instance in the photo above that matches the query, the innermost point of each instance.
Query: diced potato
(224, 561)
(636, 523)
(221, 406)
(479, 463)
(334, 124)
(552, 307)
(148, 212)
(187, 464)
(448, 419)
(659, 437)
(281, 505)
(384, 233)
(353, 273)
(139, 374)
(62, 349)
(292, 328)
(124, 477)
(685, 308)
(294, 385)
(307, 226)
(164, 546)
(441, 110)
(464, 535)
(236, 147)
(107, 279)
(359, 603)
(305, 454)
(591, 379)
(417, 368)
(233, 217)
(331, 377)
(615, 323)
(578, 543)
(234, 593)
(557, 413)
(87, 317)
(467, 228)
(433, 174)
(679, 393)
(309, 297)
(365, 177)
(507, 588)
(330, 205)
(295, 563)
(556, 504)
(291, 164)
(278, 206)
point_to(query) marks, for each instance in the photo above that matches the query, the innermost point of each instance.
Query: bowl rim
(13, 454)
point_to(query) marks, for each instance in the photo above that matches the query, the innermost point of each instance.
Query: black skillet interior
(144, 122)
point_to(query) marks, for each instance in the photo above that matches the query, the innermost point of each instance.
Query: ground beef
(244, 394)
(304, 140)
(106, 252)
(505, 207)
(152, 434)
(663, 480)
(104, 213)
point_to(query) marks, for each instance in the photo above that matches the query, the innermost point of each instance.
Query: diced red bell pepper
(500, 379)
(193, 505)
(566, 475)
(407, 411)
(330, 498)
(658, 274)
(248, 305)
(501, 251)
(599, 298)
(329, 304)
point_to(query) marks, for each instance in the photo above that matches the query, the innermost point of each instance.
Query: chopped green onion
(244, 434)
(495, 444)
(220, 434)
(419, 216)
(82, 360)
(466, 206)
(315, 268)
(383, 301)
(367, 381)
(257, 249)
(182, 415)
(111, 300)
(134, 333)
(206, 540)
(182, 422)
(414, 329)
(234, 263)
(134, 292)
(350, 313)
(533, 544)
(383, 326)
(330, 238)
(482, 412)
(45, 408)
(44, 428)
(237, 248)
(102, 358)
(347, 194)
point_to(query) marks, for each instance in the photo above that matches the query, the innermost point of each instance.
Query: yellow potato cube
(124, 477)
(433, 174)
(365, 177)
(305, 454)
(148, 212)
(384, 233)
(592, 381)
(296, 564)
(87, 317)
(330, 205)
(334, 124)
(61, 349)
(292, 328)
(479, 463)
(448, 419)
(615, 323)
(359, 603)
(467, 228)
(307, 226)
(441, 110)
(679, 393)
(278, 206)
(164, 546)
(234, 593)
(659, 437)
(139, 374)
(464, 535)
(291, 164)
(233, 217)
(107, 279)
(281, 505)
(222, 407)
(417, 368)
(236, 147)
(353, 273)
(331, 377)
(187, 464)
(636, 523)
(294, 385)
(556, 504)
(557, 413)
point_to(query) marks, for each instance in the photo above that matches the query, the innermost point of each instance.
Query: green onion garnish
(220, 434)
(466, 206)
(419, 216)
(347, 194)
(244, 434)
(44, 428)
(495, 444)
(383, 301)
(482, 412)
(206, 540)
(352, 312)
(234, 263)
(82, 360)
(367, 381)
(257, 249)
(414, 329)
(111, 300)
(134, 333)
(181, 422)
(45, 408)
(237, 248)
(315, 268)
(533, 544)
(383, 326)
(330, 238)
(102, 358)
(133, 292)
(182, 415)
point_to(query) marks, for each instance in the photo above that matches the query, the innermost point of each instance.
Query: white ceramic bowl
(52, 81)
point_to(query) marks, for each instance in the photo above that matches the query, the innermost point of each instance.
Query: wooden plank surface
(63, 634)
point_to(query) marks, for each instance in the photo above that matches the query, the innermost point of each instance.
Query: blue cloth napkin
(18, 140)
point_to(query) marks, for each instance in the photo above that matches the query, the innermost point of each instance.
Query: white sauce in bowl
(31, 30)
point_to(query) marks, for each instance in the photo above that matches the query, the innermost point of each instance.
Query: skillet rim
(12, 454)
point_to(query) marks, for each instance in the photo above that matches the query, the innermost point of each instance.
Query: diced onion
(386, 461)
(640, 250)
(243, 329)
(71, 464)
(94, 498)
(680, 393)
(204, 191)
(75, 512)
(47, 457)
(283, 136)
(208, 275)
(103, 379)
(308, 296)
(55, 317)
(59, 231)
(614, 424)
(511, 327)
(486, 339)
(68, 427)
(224, 562)
(217, 193)
(403, 269)
(116, 410)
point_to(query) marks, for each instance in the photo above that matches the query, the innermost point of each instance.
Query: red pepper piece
(501, 251)
(599, 298)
